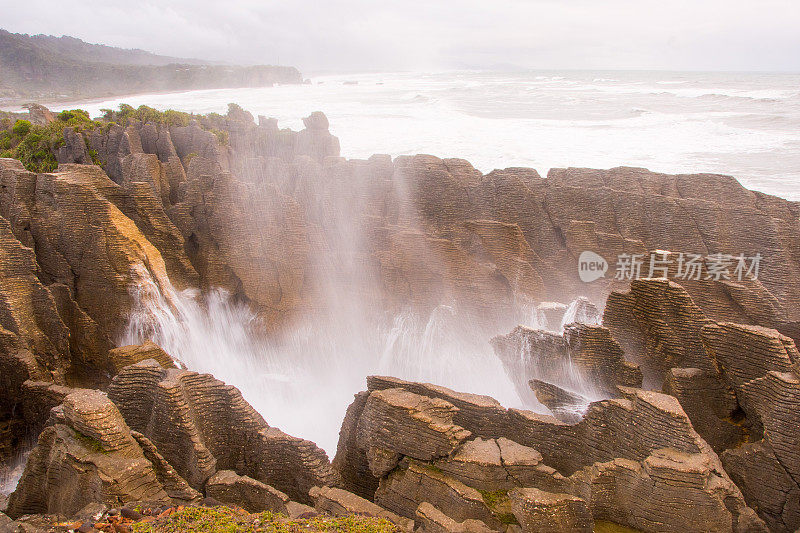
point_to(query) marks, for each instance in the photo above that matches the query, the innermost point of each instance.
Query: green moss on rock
(227, 520)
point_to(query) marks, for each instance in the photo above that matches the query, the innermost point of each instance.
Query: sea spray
(303, 381)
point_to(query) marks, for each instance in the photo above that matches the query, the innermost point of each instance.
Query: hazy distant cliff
(45, 67)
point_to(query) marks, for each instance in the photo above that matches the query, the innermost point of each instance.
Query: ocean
(742, 124)
(747, 125)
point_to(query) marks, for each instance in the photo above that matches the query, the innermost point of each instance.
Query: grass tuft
(228, 520)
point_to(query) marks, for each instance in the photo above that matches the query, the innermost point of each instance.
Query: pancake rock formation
(675, 398)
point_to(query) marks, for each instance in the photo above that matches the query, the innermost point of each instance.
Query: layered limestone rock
(500, 464)
(701, 213)
(661, 328)
(201, 426)
(264, 213)
(428, 230)
(634, 461)
(337, 502)
(217, 216)
(87, 455)
(711, 405)
(658, 325)
(762, 367)
(87, 251)
(727, 377)
(566, 406)
(227, 487)
(537, 510)
(34, 342)
(585, 360)
(195, 432)
(136, 353)
(396, 422)
(404, 489)
(429, 519)
(174, 485)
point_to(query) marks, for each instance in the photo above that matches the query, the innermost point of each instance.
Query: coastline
(15, 106)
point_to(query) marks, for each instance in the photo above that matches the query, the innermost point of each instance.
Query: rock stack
(676, 412)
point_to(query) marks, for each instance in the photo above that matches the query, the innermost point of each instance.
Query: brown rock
(565, 405)
(230, 488)
(537, 510)
(200, 425)
(405, 423)
(404, 490)
(91, 458)
(128, 355)
(338, 502)
(586, 359)
(429, 519)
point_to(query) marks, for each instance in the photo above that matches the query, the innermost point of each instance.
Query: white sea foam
(303, 382)
(686, 122)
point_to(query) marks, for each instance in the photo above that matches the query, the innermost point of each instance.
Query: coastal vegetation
(37, 145)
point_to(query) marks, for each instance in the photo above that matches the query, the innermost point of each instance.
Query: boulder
(89, 456)
(338, 502)
(253, 496)
(537, 510)
(404, 489)
(429, 519)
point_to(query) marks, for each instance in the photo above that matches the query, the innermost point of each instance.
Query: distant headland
(48, 68)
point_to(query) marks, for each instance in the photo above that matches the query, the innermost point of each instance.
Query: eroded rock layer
(674, 375)
(162, 435)
(635, 461)
(201, 426)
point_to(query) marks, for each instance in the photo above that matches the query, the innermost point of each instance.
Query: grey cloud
(351, 35)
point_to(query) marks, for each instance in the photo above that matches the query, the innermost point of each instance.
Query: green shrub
(36, 146)
(222, 136)
(21, 128)
(143, 113)
(79, 114)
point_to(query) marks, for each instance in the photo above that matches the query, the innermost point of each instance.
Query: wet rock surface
(595, 469)
(201, 425)
(677, 410)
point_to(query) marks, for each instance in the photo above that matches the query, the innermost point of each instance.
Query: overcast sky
(368, 35)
